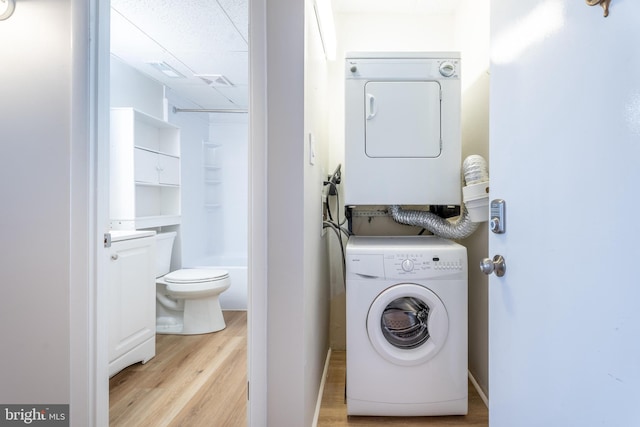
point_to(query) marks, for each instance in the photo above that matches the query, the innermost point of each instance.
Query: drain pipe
(168, 302)
(473, 210)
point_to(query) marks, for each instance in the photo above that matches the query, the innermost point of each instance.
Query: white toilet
(186, 300)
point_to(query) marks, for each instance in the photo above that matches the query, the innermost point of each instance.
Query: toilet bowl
(187, 300)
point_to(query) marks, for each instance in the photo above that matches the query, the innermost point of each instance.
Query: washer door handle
(497, 265)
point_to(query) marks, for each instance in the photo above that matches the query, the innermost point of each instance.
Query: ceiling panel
(394, 6)
(192, 36)
(237, 10)
(211, 37)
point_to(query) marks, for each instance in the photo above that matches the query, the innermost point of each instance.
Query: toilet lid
(195, 275)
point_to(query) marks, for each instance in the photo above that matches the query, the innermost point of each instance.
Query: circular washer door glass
(407, 324)
(404, 322)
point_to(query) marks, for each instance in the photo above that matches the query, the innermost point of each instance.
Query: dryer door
(407, 324)
(402, 119)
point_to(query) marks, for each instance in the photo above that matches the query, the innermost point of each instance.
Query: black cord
(336, 226)
(337, 194)
(337, 230)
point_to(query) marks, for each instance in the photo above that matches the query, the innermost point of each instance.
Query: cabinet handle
(114, 257)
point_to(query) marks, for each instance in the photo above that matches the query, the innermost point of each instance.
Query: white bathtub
(236, 297)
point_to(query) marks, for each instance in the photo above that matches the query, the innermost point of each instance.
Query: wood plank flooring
(194, 380)
(333, 412)
(201, 381)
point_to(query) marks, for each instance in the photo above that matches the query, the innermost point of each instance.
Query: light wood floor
(194, 380)
(333, 412)
(200, 380)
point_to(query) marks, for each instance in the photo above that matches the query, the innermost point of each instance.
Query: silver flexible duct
(475, 172)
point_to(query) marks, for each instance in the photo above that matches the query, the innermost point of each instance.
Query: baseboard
(483, 396)
(325, 373)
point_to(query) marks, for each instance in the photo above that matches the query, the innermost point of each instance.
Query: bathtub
(236, 297)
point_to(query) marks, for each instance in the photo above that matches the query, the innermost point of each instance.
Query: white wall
(285, 189)
(194, 128)
(47, 213)
(36, 136)
(231, 132)
(131, 88)
(316, 268)
(297, 316)
(472, 33)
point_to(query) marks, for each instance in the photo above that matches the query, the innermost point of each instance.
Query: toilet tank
(164, 246)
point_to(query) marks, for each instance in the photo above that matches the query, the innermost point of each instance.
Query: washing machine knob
(407, 265)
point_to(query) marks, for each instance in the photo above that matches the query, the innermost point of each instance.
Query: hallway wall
(46, 315)
(297, 288)
(36, 162)
(472, 39)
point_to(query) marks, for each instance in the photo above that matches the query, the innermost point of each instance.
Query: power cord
(332, 181)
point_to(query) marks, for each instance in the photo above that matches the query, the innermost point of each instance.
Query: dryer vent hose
(476, 178)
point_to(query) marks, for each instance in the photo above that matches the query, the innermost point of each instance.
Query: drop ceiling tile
(237, 10)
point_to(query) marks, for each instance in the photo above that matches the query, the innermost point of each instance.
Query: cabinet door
(169, 168)
(132, 301)
(145, 166)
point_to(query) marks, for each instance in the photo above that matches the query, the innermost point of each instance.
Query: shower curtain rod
(206, 110)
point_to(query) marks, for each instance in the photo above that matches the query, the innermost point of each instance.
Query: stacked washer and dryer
(406, 295)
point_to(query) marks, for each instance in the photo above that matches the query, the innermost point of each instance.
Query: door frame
(90, 385)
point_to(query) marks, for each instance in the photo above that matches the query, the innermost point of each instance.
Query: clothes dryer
(402, 128)
(406, 326)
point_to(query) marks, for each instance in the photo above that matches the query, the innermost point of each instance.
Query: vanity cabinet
(132, 298)
(144, 171)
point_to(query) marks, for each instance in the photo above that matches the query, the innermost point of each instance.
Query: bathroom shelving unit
(213, 187)
(145, 171)
(212, 175)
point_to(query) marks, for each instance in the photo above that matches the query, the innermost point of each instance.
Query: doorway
(166, 74)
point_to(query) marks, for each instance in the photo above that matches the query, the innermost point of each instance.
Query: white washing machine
(406, 326)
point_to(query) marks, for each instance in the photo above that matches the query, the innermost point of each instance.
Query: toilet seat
(195, 280)
(195, 275)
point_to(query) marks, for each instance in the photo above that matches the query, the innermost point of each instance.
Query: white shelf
(151, 184)
(156, 151)
(145, 222)
(145, 171)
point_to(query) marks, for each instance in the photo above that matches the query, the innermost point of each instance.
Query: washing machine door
(407, 324)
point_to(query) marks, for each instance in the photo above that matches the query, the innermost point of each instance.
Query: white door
(564, 320)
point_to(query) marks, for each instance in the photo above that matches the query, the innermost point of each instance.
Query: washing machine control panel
(422, 265)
